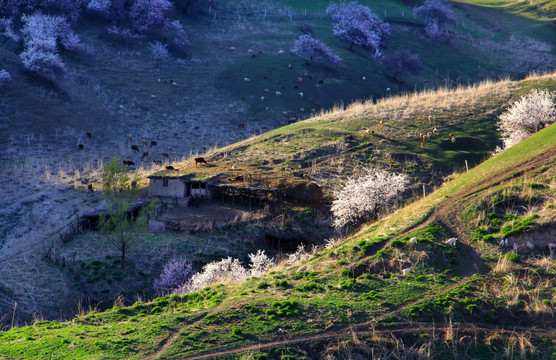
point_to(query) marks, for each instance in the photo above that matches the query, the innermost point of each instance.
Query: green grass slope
(475, 299)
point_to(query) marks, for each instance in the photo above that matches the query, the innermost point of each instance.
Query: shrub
(5, 77)
(146, 14)
(403, 62)
(526, 116)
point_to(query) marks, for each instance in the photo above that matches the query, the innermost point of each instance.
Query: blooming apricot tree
(366, 196)
(526, 116)
(313, 49)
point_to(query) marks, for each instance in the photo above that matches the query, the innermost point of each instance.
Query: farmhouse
(177, 184)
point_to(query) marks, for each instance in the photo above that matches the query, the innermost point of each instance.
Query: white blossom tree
(366, 196)
(358, 25)
(312, 49)
(159, 52)
(147, 14)
(526, 116)
(437, 13)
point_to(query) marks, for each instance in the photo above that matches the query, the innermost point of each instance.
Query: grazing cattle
(278, 93)
(381, 122)
(80, 147)
(267, 91)
(239, 178)
(135, 147)
(413, 240)
(169, 167)
(90, 188)
(406, 271)
(452, 241)
(145, 154)
(157, 162)
(349, 137)
(299, 80)
(259, 52)
(88, 134)
(292, 120)
(154, 143)
(200, 160)
(128, 162)
(196, 128)
(241, 124)
(144, 142)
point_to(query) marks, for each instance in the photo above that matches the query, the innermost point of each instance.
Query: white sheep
(303, 268)
(506, 242)
(530, 245)
(363, 78)
(267, 91)
(301, 94)
(288, 169)
(262, 98)
(251, 52)
(234, 166)
(453, 140)
(232, 48)
(435, 131)
(406, 271)
(280, 52)
(153, 96)
(452, 241)
(413, 240)
(301, 109)
(278, 93)
(388, 89)
(246, 79)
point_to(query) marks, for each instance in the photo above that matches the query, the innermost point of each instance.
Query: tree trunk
(123, 253)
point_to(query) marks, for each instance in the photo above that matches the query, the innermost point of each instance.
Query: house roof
(182, 175)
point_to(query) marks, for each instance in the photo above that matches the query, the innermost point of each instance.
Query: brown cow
(153, 143)
(80, 147)
(200, 160)
(169, 167)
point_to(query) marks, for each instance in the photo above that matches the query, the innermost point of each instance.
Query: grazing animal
(453, 140)
(157, 162)
(363, 78)
(290, 66)
(280, 52)
(135, 147)
(374, 159)
(169, 167)
(452, 135)
(196, 128)
(239, 178)
(144, 142)
(262, 98)
(452, 241)
(128, 162)
(154, 143)
(292, 120)
(301, 94)
(388, 89)
(421, 144)
(435, 131)
(254, 55)
(241, 124)
(381, 122)
(251, 52)
(234, 167)
(299, 80)
(80, 147)
(301, 109)
(530, 245)
(200, 160)
(303, 268)
(246, 79)
(145, 154)
(349, 137)
(406, 271)
(90, 188)
(153, 96)
(88, 134)
(232, 48)
(278, 93)
(413, 240)
(174, 84)
(259, 52)
(267, 91)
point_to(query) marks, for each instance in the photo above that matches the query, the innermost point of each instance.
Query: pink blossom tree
(358, 25)
(175, 273)
(314, 50)
(526, 116)
(366, 196)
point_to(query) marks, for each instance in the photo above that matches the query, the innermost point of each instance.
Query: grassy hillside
(476, 298)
